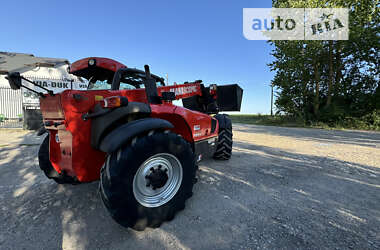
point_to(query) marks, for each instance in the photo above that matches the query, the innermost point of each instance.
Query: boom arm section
(209, 100)
(183, 90)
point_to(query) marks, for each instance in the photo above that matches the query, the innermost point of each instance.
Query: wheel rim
(157, 180)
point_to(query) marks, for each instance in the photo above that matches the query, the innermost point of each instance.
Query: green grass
(287, 121)
(268, 120)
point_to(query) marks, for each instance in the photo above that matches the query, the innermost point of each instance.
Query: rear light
(213, 88)
(114, 102)
(99, 98)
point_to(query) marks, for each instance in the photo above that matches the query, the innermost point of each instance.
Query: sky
(188, 40)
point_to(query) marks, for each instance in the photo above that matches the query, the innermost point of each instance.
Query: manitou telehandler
(125, 131)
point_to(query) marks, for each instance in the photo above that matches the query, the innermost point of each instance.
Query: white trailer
(50, 73)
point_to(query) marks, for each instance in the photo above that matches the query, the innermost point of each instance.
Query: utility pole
(167, 78)
(271, 101)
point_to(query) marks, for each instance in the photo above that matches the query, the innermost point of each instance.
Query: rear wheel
(148, 182)
(47, 167)
(224, 146)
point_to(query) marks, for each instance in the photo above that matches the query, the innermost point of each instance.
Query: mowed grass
(288, 121)
(268, 120)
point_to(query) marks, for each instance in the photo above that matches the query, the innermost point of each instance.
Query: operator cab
(101, 71)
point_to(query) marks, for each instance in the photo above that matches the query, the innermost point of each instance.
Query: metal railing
(10, 108)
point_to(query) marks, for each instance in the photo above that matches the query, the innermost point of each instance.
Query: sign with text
(295, 23)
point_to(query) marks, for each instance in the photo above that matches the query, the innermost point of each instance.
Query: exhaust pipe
(151, 87)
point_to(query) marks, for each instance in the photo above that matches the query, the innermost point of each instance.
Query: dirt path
(283, 188)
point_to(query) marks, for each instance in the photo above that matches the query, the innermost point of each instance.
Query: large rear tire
(224, 146)
(147, 182)
(47, 167)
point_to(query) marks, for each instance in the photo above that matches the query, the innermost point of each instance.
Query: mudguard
(123, 134)
(102, 125)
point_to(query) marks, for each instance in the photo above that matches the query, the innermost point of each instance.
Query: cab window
(104, 85)
(99, 85)
(126, 86)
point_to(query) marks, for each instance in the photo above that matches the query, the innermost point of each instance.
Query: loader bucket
(229, 97)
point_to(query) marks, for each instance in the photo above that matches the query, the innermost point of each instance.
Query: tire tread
(224, 146)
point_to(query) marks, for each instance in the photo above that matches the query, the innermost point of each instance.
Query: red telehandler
(125, 131)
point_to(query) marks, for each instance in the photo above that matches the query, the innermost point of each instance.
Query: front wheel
(148, 182)
(224, 146)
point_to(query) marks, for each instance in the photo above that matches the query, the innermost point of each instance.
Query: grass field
(268, 120)
(287, 121)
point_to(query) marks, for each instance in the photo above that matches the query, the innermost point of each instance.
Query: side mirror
(14, 80)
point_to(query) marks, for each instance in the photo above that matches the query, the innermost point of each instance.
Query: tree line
(331, 81)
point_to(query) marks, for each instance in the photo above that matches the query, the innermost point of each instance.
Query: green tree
(330, 80)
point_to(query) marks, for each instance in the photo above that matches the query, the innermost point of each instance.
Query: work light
(91, 62)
